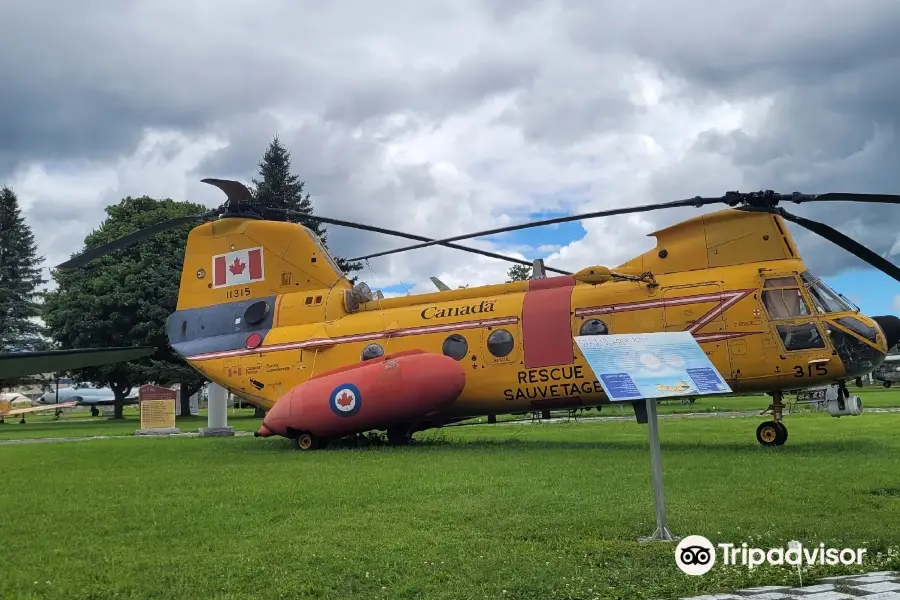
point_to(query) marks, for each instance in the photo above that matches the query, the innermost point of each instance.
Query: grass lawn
(507, 511)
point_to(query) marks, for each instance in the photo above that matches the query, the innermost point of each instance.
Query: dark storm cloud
(743, 48)
(87, 83)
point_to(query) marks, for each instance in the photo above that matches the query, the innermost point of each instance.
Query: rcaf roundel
(239, 267)
(345, 400)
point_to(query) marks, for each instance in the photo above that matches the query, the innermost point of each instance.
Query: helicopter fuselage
(516, 340)
(732, 279)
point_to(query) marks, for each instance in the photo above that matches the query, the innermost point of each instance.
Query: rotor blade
(88, 255)
(19, 364)
(408, 236)
(695, 202)
(235, 190)
(849, 197)
(848, 244)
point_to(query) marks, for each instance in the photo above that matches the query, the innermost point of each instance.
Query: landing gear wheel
(306, 441)
(94, 411)
(771, 433)
(886, 384)
(399, 436)
(784, 432)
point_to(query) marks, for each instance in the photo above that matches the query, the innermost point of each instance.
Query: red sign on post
(157, 407)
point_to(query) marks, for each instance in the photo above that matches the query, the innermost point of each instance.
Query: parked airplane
(17, 405)
(86, 396)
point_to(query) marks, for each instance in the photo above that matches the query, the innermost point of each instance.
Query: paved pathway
(523, 421)
(102, 437)
(689, 415)
(879, 585)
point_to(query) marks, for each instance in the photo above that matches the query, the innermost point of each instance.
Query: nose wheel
(771, 433)
(774, 432)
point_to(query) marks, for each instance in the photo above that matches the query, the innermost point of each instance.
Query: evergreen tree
(279, 188)
(20, 280)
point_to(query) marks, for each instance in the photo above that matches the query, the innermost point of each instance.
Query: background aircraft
(87, 396)
(17, 405)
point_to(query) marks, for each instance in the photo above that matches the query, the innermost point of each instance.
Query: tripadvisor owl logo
(695, 555)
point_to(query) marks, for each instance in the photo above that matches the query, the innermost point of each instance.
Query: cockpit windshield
(825, 299)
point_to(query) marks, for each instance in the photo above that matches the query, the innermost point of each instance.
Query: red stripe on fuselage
(724, 300)
(546, 322)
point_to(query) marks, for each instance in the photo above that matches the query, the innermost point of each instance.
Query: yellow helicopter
(265, 311)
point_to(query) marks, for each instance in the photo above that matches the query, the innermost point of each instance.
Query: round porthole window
(256, 312)
(594, 327)
(500, 343)
(372, 351)
(455, 346)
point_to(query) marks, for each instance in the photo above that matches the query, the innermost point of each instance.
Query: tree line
(122, 299)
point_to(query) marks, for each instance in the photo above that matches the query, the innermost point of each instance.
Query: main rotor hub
(763, 199)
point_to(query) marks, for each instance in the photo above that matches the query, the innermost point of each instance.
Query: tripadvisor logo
(696, 555)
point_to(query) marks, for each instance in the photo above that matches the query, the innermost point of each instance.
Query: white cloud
(436, 119)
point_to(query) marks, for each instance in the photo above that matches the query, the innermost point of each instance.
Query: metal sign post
(662, 532)
(644, 368)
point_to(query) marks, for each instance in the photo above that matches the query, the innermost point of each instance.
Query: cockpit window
(804, 336)
(780, 282)
(857, 326)
(825, 299)
(782, 298)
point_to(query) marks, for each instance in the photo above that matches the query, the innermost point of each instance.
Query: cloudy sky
(446, 116)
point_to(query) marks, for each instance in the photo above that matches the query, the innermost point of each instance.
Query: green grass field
(503, 511)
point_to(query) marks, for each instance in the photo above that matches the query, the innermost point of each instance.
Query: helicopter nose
(890, 326)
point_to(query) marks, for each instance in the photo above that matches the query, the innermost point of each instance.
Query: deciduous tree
(124, 299)
(518, 273)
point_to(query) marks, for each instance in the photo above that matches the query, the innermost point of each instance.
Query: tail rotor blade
(123, 242)
(848, 244)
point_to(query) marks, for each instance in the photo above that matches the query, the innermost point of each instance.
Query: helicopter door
(697, 309)
(802, 348)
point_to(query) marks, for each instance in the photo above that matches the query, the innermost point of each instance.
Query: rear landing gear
(306, 441)
(774, 432)
(399, 436)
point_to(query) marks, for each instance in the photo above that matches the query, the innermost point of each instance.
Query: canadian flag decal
(238, 267)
